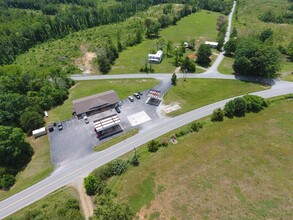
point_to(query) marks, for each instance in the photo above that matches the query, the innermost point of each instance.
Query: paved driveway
(77, 139)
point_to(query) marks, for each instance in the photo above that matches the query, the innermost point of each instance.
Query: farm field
(200, 26)
(61, 204)
(195, 93)
(236, 169)
(37, 169)
(124, 88)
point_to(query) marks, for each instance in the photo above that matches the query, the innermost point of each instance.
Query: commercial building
(95, 103)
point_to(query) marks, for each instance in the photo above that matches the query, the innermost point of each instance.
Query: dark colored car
(60, 126)
(51, 128)
(136, 95)
(139, 93)
(118, 109)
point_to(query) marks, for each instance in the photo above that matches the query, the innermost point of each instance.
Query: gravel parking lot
(77, 139)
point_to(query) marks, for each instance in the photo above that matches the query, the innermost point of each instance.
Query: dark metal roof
(94, 102)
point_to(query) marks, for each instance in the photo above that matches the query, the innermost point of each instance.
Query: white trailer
(39, 132)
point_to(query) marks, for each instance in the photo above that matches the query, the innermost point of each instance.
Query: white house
(155, 58)
(211, 44)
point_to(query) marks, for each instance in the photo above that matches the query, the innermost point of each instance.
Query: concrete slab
(171, 108)
(138, 118)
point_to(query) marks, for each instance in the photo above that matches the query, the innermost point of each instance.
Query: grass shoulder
(61, 204)
(37, 169)
(115, 140)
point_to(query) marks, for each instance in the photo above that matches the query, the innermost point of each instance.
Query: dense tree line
(43, 28)
(23, 98)
(32, 28)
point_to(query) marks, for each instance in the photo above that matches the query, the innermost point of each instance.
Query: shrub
(218, 115)
(174, 79)
(134, 160)
(240, 107)
(254, 103)
(153, 146)
(180, 133)
(6, 181)
(229, 109)
(103, 172)
(164, 142)
(94, 185)
(196, 126)
(118, 167)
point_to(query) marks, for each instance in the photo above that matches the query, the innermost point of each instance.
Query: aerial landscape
(135, 109)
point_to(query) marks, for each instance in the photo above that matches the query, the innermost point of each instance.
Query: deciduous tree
(203, 54)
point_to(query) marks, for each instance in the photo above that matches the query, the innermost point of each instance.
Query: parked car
(86, 120)
(51, 128)
(118, 109)
(130, 98)
(139, 93)
(60, 126)
(136, 95)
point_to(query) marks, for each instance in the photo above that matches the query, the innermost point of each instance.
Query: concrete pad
(138, 118)
(171, 108)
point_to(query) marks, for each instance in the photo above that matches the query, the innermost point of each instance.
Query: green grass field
(288, 77)
(59, 205)
(124, 88)
(195, 93)
(38, 168)
(200, 26)
(236, 169)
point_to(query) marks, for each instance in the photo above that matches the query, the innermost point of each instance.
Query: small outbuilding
(39, 132)
(212, 44)
(95, 104)
(155, 58)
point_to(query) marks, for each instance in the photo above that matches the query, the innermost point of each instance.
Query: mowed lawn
(237, 169)
(38, 168)
(226, 66)
(195, 93)
(200, 26)
(123, 88)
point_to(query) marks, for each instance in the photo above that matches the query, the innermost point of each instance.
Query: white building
(155, 58)
(211, 44)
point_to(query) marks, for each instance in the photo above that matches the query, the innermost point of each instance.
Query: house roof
(211, 43)
(95, 102)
